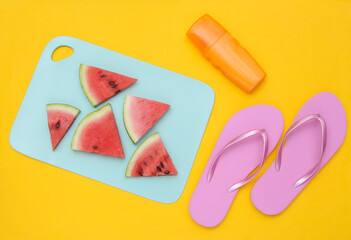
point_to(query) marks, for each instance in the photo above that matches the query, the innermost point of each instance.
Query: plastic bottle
(225, 53)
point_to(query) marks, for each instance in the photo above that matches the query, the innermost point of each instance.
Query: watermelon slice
(98, 133)
(100, 85)
(151, 159)
(140, 115)
(60, 119)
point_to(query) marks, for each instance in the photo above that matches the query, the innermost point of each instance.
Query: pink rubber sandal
(247, 138)
(316, 134)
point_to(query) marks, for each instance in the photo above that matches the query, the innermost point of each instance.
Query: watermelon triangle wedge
(98, 133)
(100, 85)
(141, 114)
(151, 159)
(60, 119)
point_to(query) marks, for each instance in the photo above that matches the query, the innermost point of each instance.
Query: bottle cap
(205, 32)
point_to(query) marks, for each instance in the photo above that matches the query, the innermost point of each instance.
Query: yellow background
(303, 45)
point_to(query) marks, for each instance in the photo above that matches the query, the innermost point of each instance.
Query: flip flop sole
(275, 190)
(211, 201)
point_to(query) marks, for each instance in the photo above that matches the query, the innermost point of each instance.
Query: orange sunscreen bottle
(225, 53)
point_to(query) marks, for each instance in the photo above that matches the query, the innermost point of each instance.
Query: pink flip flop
(247, 138)
(316, 134)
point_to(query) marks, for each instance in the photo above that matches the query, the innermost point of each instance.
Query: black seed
(114, 86)
(117, 91)
(140, 174)
(167, 172)
(103, 75)
(162, 165)
(95, 147)
(111, 82)
(159, 169)
(57, 125)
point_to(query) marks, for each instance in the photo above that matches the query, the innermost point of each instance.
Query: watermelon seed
(167, 172)
(114, 86)
(140, 174)
(103, 75)
(117, 91)
(95, 147)
(112, 83)
(162, 165)
(159, 169)
(57, 125)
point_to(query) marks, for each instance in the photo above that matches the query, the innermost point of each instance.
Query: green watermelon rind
(150, 140)
(127, 121)
(64, 107)
(86, 120)
(84, 84)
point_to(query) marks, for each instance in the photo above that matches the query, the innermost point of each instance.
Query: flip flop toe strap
(260, 132)
(294, 126)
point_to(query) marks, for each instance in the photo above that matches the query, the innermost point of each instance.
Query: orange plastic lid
(225, 53)
(205, 32)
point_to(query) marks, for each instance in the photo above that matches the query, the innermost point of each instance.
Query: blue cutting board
(181, 128)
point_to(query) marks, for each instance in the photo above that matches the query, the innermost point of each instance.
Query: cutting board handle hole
(61, 52)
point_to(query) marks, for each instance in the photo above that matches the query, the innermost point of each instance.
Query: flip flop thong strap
(294, 126)
(260, 132)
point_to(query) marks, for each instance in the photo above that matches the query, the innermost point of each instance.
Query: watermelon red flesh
(141, 114)
(60, 119)
(98, 133)
(151, 159)
(100, 85)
